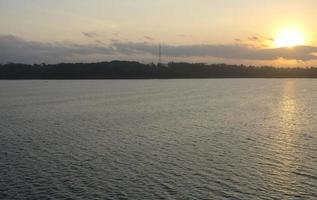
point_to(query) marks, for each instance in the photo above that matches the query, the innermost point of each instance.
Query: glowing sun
(290, 37)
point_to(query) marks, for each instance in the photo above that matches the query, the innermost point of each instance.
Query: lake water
(158, 139)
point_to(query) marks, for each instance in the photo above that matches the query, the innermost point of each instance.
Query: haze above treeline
(136, 70)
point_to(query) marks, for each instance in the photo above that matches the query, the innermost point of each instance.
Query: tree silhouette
(136, 70)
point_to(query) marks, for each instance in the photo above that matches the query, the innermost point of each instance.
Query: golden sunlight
(289, 37)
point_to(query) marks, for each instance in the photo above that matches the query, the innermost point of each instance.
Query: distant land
(136, 70)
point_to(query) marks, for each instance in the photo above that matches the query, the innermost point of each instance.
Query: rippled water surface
(158, 139)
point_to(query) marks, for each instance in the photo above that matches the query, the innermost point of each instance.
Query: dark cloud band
(14, 49)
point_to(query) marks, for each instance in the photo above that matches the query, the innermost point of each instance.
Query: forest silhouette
(136, 70)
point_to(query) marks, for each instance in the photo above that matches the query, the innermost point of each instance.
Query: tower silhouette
(160, 55)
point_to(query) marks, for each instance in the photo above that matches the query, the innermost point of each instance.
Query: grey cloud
(254, 38)
(135, 48)
(184, 35)
(14, 49)
(237, 40)
(303, 53)
(90, 34)
(148, 38)
(100, 42)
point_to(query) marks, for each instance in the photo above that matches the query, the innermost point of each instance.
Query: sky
(252, 32)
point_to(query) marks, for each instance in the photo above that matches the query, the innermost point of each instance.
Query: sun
(289, 37)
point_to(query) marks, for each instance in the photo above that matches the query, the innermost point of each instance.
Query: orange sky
(180, 25)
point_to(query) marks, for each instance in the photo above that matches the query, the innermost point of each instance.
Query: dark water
(158, 139)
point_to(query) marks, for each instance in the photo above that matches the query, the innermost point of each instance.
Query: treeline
(135, 70)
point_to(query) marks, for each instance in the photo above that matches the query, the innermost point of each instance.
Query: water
(158, 139)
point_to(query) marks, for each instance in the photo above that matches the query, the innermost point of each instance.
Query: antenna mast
(160, 55)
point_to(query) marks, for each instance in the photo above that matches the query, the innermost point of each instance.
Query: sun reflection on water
(288, 109)
(283, 149)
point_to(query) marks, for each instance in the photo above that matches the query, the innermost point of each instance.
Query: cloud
(254, 38)
(148, 38)
(14, 49)
(238, 52)
(184, 36)
(100, 42)
(237, 40)
(256, 41)
(90, 34)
